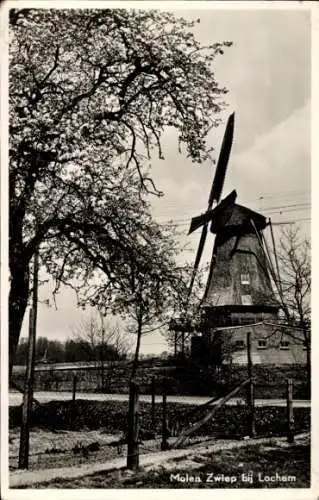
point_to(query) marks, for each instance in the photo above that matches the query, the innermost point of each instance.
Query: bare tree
(149, 288)
(104, 341)
(294, 256)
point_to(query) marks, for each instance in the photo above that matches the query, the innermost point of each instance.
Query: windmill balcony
(214, 319)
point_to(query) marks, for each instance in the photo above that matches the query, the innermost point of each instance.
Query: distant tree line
(70, 350)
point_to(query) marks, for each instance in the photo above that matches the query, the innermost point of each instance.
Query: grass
(293, 461)
(109, 417)
(230, 422)
(65, 448)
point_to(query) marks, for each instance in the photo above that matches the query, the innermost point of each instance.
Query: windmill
(238, 287)
(217, 213)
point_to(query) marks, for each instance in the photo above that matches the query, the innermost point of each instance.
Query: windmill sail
(198, 257)
(219, 178)
(222, 211)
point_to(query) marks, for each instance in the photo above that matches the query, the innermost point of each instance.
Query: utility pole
(29, 376)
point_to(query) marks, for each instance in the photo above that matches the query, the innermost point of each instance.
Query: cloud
(278, 161)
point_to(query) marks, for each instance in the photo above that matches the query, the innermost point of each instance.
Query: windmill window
(284, 344)
(239, 344)
(244, 278)
(262, 344)
(246, 300)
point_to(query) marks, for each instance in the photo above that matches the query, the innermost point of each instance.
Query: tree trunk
(18, 300)
(102, 365)
(137, 349)
(102, 352)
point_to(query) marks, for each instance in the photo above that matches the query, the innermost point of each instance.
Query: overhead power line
(291, 221)
(186, 220)
(280, 208)
(280, 196)
(184, 224)
(288, 206)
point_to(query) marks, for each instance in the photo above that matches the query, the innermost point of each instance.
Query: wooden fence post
(252, 415)
(73, 399)
(164, 443)
(249, 357)
(250, 394)
(153, 389)
(74, 389)
(132, 434)
(290, 414)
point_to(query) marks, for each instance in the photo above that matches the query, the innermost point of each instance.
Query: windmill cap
(243, 216)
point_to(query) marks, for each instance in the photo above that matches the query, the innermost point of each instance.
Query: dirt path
(29, 478)
(56, 449)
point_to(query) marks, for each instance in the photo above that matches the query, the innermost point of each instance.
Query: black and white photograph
(156, 247)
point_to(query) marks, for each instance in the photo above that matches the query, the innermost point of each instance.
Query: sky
(267, 73)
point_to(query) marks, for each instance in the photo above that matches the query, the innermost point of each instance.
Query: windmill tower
(238, 289)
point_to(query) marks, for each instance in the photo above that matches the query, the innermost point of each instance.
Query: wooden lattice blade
(222, 163)
(198, 257)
